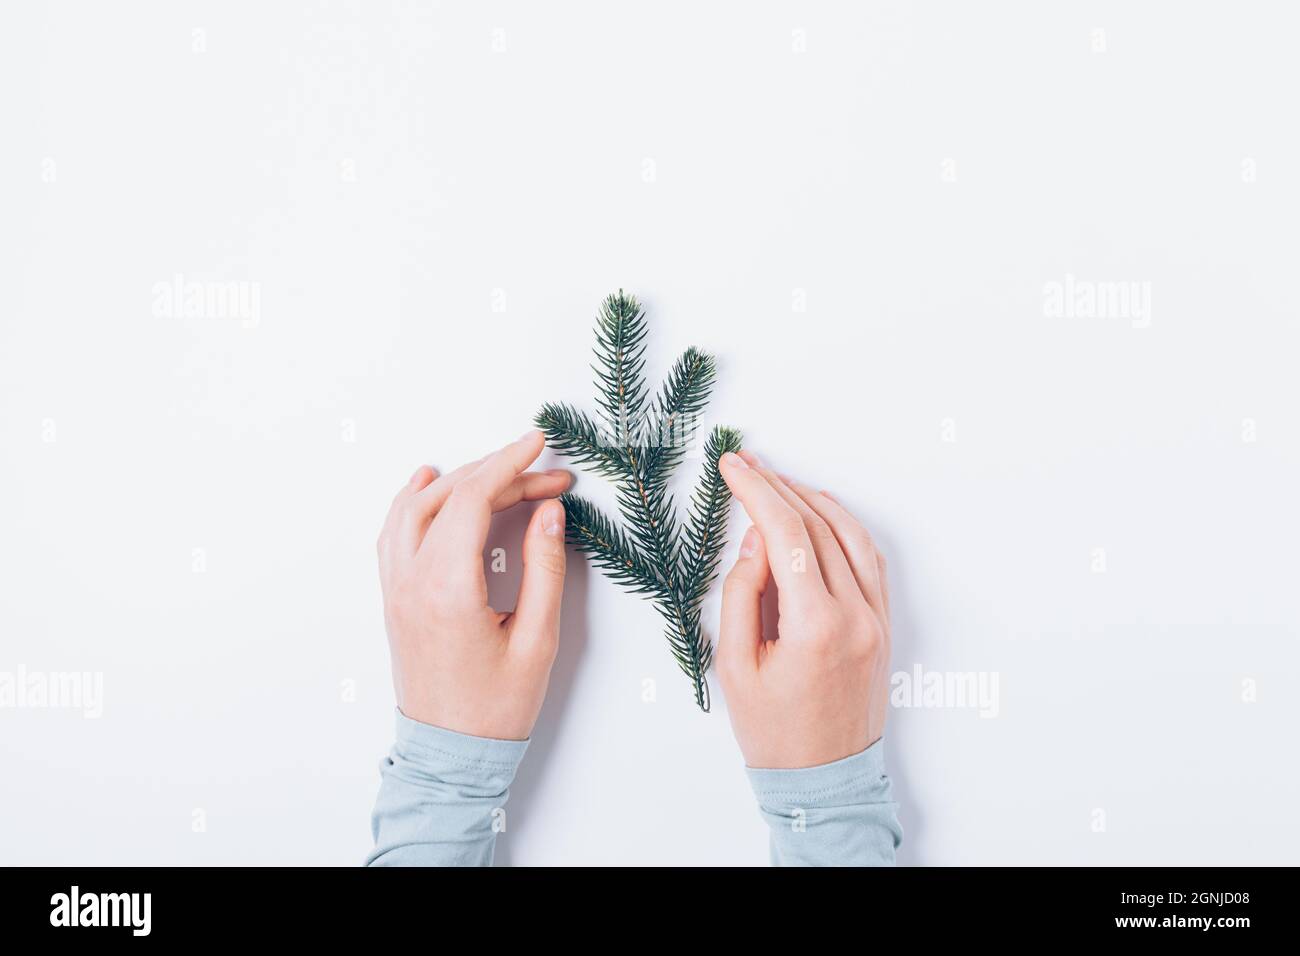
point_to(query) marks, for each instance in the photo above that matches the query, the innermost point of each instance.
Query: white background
(387, 174)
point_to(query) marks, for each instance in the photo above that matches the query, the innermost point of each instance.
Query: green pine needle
(593, 534)
(637, 441)
(574, 434)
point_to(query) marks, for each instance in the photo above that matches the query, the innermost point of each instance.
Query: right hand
(818, 693)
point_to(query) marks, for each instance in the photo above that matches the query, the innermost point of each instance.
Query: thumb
(741, 632)
(537, 612)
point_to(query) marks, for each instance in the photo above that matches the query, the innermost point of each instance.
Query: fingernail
(553, 519)
(733, 460)
(531, 433)
(415, 477)
(758, 462)
(830, 496)
(749, 544)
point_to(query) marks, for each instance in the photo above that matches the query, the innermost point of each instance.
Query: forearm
(442, 797)
(837, 814)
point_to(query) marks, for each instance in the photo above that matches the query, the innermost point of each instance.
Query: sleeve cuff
(428, 744)
(855, 779)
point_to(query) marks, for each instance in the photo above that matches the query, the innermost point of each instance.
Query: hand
(817, 693)
(457, 663)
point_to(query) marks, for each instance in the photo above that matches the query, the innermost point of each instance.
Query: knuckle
(734, 583)
(872, 642)
(823, 626)
(864, 649)
(818, 529)
(552, 562)
(790, 525)
(467, 491)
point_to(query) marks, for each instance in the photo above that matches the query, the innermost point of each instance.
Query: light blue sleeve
(442, 797)
(837, 814)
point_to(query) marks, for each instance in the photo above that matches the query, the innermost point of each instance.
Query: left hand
(457, 663)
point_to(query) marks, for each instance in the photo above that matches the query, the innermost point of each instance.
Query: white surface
(378, 171)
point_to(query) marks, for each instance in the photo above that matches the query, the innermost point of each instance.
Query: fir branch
(638, 444)
(573, 433)
(706, 528)
(592, 533)
(703, 540)
(651, 516)
(620, 353)
(684, 395)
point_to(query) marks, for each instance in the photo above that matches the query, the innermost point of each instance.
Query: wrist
(479, 722)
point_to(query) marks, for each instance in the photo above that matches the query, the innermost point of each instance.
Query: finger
(418, 481)
(740, 635)
(854, 539)
(422, 477)
(533, 486)
(790, 553)
(884, 583)
(423, 506)
(536, 622)
(830, 556)
(460, 530)
(530, 486)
